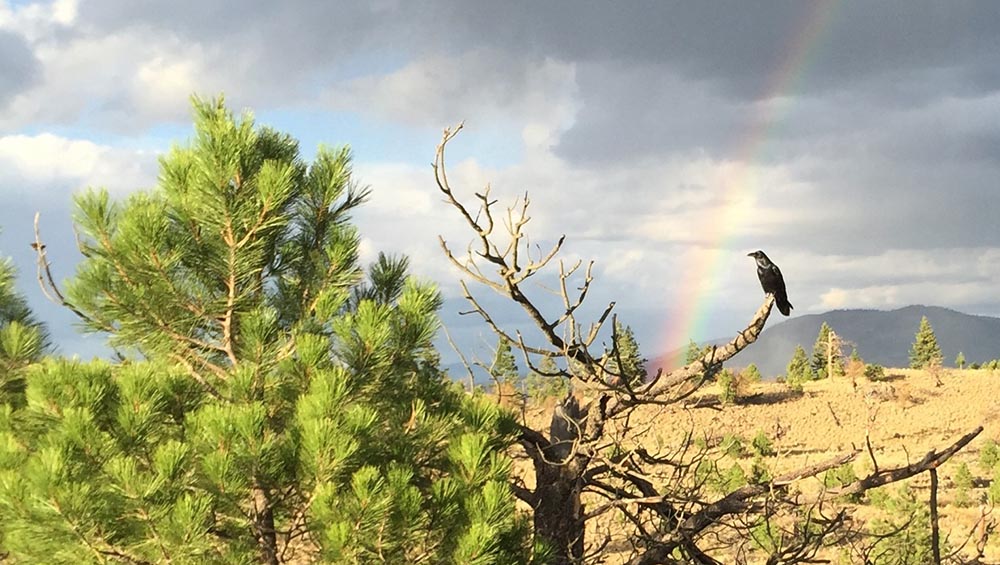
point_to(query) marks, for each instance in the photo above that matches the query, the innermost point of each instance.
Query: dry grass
(906, 416)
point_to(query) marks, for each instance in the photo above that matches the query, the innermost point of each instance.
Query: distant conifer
(925, 350)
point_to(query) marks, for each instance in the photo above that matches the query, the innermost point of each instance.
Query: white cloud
(44, 161)
(37, 21)
(121, 81)
(893, 296)
(398, 189)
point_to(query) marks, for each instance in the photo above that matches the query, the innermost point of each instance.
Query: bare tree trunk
(935, 531)
(559, 513)
(264, 526)
(829, 355)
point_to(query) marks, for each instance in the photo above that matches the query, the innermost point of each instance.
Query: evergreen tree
(23, 338)
(798, 370)
(827, 350)
(960, 360)
(632, 365)
(693, 353)
(728, 386)
(504, 367)
(283, 405)
(752, 374)
(925, 350)
(547, 382)
(820, 351)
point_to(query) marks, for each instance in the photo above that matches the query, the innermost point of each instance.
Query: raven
(771, 281)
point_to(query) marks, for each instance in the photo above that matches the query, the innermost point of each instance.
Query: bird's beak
(749, 254)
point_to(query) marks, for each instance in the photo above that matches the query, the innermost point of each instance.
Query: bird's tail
(785, 307)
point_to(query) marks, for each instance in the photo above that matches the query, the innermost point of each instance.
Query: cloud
(38, 21)
(123, 82)
(38, 164)
(893, 296)
(856, 143)
(18, 66)
(488, 87)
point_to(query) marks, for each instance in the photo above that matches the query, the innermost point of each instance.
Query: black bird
(771, 281)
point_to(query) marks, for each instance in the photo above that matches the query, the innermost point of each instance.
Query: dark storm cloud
(19, 67)
(672, 74)
(290, 38)
(739, 44)
(636, 112)
(660, 77)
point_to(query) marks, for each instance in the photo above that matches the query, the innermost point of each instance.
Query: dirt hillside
(906, 415)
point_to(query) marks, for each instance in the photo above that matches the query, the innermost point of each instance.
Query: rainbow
(694, 295)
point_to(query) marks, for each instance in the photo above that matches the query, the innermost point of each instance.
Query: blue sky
(874, 184)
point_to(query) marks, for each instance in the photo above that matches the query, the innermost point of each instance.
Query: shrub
(767, 538)
(855, 369)
(963, 485)
(759, 473)
(701, 443)
(993, 494)
(708, 473)
(874, 372)
(734, 387)
(732, 445)
(989, 454)
(761, 445)
(727, 387)
(734, 478)
(911, 518)
(841, 477)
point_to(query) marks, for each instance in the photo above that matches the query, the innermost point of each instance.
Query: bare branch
(465, 362)
(696, 371)
(48, 284)
(741, 499)
(932, 460)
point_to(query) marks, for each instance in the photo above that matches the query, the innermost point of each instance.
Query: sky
(857, 143)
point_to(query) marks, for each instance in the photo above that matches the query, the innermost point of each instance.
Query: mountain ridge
(881, 336)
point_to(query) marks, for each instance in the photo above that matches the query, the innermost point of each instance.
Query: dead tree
(592, 452)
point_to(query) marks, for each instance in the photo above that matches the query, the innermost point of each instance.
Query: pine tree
(925, 350)
(728, 386)
(547, 382)
(281, 404)
(854, 355)
(827, 350)
(960, 360)
(693, 353)
(632, 367)
(798, 370)
(752, 374)
(504, 366)
(23, 339)
(820, 351)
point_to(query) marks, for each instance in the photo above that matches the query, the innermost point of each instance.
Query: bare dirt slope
(908, 412)
(906, 415)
